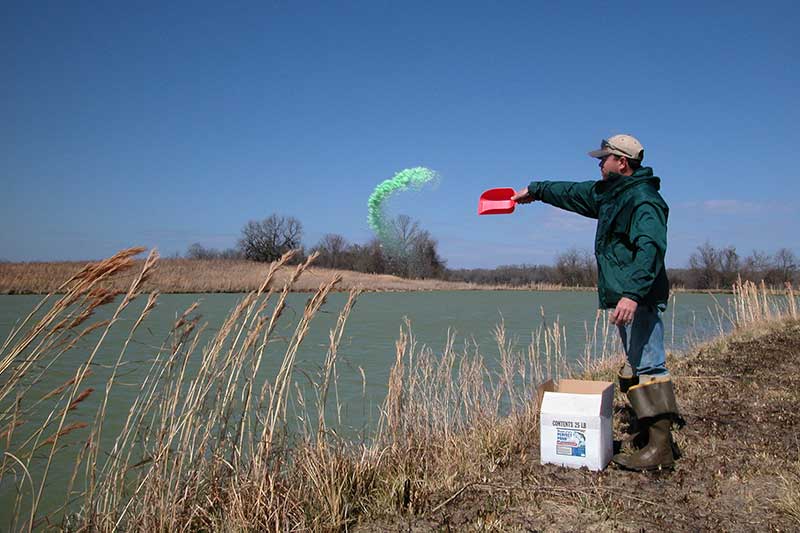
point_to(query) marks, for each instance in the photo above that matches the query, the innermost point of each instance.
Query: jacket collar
(618, 183)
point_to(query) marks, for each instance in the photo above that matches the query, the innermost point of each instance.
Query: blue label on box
(570, 442)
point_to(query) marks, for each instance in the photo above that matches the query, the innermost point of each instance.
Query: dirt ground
(740, 469)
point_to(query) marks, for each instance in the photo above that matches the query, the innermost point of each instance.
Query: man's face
(611, 163)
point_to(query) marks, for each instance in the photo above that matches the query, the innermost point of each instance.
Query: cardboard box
(575, 423)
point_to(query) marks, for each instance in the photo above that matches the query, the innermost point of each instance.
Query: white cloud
(737, 207)
(732, 207)
(558, 219)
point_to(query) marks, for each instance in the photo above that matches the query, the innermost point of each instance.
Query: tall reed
(755, 304)
(208, 441)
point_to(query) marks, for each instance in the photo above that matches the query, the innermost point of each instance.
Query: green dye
(410, 178)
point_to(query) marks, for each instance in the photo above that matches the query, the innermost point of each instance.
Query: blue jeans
(643, 342)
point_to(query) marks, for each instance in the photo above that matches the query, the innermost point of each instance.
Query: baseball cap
(623, 145)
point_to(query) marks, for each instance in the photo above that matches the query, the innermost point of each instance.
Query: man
(630, 246)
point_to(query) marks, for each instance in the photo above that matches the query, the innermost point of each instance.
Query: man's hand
(522, 196)
(623, 314)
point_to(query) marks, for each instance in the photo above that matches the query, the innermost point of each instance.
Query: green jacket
(631, 239)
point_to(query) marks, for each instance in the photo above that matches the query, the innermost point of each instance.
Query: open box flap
(581, 386)
(547, 386)
(577, 397)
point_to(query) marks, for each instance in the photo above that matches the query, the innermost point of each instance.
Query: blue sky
(160, 125)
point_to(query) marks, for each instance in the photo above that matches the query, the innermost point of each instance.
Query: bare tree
(368, 258)
(405, 231)
(198, 251)
(704, 264)
(729, 266)
(576, 267)
(270, 238)
(411, 251)
(786, 264)
(332, 249)
(423, 259)
(231, 254)
(756, 266)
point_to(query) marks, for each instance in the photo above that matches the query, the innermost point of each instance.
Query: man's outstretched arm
(575, 196)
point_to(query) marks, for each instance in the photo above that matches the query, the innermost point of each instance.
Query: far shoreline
(215, 276)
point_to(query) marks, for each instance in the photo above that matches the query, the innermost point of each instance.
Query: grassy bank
(740, 469)
(207, 276)
(456, 445)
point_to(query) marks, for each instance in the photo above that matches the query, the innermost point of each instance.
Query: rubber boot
(626, 378)
(657, 454)
(637, 432)
(655, 406)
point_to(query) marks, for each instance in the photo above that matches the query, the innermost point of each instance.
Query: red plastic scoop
(497, 201)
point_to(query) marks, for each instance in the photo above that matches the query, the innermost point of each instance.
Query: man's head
(620, 154)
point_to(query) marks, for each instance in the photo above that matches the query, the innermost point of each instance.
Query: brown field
(207, 276)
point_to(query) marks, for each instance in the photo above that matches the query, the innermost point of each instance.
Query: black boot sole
(655, 468)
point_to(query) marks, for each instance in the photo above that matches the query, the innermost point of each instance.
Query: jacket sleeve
(575, 196)
(648, 235)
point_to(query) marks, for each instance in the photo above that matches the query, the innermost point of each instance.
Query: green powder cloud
(410, 178)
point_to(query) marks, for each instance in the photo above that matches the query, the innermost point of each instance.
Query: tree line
(709, 267)
(573, 268)
(718, 268)
(411, 252)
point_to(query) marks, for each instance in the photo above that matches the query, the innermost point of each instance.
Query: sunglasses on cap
(605, 144)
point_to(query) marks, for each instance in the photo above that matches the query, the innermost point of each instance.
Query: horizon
(162, 126)
(182, 256)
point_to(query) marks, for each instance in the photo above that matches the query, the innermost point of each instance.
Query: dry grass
(755, 304)
(788, 500)
(214, 448)
(753, 310)
(523, 495)
(207, 276)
